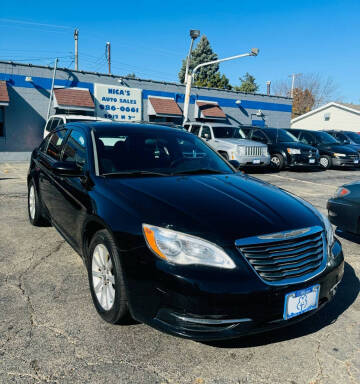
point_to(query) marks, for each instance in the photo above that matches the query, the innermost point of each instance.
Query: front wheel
(325, 162)
(35, 207)
(277, 161)
(106, 278)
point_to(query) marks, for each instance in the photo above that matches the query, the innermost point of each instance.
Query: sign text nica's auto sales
(117, 103)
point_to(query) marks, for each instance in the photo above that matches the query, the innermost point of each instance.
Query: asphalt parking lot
(51, 333)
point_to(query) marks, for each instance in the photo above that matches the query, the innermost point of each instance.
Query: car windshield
(154, 151)
(227, 132)
(280, 136)
(325, 138)
(355, 137)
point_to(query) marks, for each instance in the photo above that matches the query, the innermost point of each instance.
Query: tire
(224, 155)
(325, 162)
(277, 161)
(106, 279)
(35, 208)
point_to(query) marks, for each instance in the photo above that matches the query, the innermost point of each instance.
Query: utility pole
(293, 83)
(76, 38)
(108, 56)
(194, 34)
(52, 88)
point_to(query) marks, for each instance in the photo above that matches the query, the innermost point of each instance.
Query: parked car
(285, 149)
(56, 120)
(174, 235)
(344, 208)
(332, 153)
(347, 138)
(231, 143)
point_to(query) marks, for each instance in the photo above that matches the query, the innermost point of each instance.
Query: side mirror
(235, 163)
(67, 168)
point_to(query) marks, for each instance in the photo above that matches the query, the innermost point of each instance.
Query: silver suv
(231, 143)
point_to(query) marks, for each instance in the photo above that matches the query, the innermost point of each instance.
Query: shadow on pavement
(347, 293)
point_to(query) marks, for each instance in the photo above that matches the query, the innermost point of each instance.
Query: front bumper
(345, 162)
(302, 160)
(253, 161)
(215, 305)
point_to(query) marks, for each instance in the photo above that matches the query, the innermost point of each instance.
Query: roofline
(331, 104)
(138, 79)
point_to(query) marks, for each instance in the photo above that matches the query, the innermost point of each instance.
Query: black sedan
(332, 153)
(344, 208)
(285, 149)
(172, 234)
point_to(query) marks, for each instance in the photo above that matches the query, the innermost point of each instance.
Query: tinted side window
(75, 148)
(195, 129)
(247, 131)
(307, 138)
(205, 133)
(55, 144)
(43, 145)
(259, 136)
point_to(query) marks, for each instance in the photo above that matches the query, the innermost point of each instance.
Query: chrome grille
(286, 260)
(254, 151)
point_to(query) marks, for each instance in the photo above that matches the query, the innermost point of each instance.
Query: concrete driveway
(51, 333)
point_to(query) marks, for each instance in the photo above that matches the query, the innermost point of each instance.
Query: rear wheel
(277, 161)
(106, 278)
(325, 162)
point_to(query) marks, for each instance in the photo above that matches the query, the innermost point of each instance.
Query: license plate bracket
(301, 301)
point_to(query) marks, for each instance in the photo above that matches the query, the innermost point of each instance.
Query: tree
(320, 88)
(303, 102)
(248, 84)
(209, 75)
(131, 76)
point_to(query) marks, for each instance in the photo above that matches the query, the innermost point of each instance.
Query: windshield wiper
(134, 173)
(198, 171)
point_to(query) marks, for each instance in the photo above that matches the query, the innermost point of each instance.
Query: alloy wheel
(275, 161)
(32, 202)
(324, 162)
(103, 278)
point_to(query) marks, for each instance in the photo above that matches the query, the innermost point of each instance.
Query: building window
(326, 116)
(2, 122)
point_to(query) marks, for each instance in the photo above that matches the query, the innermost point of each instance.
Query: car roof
(80, 117)
(108, 127)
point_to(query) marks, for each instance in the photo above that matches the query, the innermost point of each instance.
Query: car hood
(220, 208)
(337, 148)
(244, 142)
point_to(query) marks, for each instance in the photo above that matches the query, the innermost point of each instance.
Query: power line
(16, 21)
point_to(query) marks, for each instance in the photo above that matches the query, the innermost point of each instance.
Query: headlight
(341, 192)
(339, 155)
(293, 151)
(265, 151)
(329, 231)
(241, 150)
(179, 248)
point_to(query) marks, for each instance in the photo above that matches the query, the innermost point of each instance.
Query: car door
(47, 178)
(73, 204)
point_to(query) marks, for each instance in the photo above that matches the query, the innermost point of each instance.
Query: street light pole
(190, 78)
(194, 34)
(293, 83)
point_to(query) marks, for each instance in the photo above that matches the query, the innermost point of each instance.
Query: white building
(331, 116)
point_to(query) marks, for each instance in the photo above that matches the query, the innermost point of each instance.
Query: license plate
(256, 161)
(356, 161)
(299, 302)
(311, 161)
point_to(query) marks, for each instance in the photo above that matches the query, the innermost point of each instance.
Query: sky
(150, 38)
